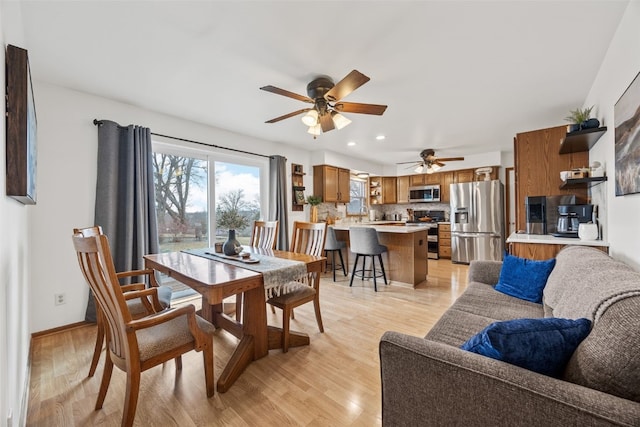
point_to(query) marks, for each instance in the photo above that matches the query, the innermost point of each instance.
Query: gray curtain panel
(125, 196)
(278, 199)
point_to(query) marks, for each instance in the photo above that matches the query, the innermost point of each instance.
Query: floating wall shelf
(582, 182)
(581, 140)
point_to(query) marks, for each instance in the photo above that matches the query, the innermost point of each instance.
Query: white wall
(619, 68)
(15, 263)
(67, 182)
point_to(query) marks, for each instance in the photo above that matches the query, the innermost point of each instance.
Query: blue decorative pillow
(542, 345)
(524, 278)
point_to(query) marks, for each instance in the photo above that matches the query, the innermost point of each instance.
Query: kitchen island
(546, 246)
(405, 263)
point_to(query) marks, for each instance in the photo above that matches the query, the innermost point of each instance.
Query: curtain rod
(99, 122)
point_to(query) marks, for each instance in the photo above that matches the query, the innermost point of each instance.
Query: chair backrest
(331, 242)
(96, 264)
(96, 230)
(364, 240)
(265, 234)
(308, 237)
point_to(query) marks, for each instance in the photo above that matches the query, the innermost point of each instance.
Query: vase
(590, 124)
(314, 214)
(232, 246)
(574, 127)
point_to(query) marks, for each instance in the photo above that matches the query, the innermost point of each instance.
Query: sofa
(431, 381)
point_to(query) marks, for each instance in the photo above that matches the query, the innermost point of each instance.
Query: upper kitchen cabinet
(389, 189)
(332, 183)
(402, 193)
(464, 175)
(538, 164)
(446, 179)
(424, 179)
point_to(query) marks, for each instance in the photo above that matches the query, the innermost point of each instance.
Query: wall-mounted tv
(21, 127)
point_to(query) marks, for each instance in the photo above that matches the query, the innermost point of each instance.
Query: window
(357, 197)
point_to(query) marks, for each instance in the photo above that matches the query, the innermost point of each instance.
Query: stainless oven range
(430, 219)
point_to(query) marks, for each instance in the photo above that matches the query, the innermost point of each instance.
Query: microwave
(424, 193)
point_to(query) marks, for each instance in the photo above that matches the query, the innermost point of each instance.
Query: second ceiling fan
(326, 98)
(430, 162)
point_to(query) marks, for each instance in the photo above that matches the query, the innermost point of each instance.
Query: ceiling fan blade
(449, 159)
(438, 162)
(406, 163)
(414, 165)
(355, 107)
(286, 116)
(344, 87)
(286, 93)
(326, 122)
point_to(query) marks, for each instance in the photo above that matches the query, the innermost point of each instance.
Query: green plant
(314, 200)
(579, 115)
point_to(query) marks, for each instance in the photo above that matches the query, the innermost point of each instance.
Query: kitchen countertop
(548, 239)
(380, 227)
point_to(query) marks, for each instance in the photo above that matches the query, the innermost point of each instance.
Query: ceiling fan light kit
(430, 162)
(324, 95)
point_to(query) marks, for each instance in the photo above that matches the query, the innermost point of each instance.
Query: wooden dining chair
(137, 308)
(263, 235)
(135, 345)
(308, 238)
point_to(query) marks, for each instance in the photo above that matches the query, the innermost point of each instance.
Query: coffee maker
(570, 217)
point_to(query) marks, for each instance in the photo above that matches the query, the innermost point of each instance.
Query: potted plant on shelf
(580, 118)
(314, 201)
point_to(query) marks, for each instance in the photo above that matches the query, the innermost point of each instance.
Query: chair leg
(373, 272)
(333, 264)
(106, 379)
(286, 314)
(178, 363)
(207, 355)
(344, 270)
(353, 272)
(97, 350)
(131, 396)
(316, 307)
(239, 306)
(384, 276)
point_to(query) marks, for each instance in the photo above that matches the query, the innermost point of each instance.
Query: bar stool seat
(364, 243)
(333, 245)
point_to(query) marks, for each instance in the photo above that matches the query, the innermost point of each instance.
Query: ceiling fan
(430, 161)
(326, 97)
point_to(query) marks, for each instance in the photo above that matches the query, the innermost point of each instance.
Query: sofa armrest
(487, 272)
(429, 383)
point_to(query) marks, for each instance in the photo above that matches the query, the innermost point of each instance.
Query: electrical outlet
(60, 299)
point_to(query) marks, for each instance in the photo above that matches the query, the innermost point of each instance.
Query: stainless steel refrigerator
(477, 221)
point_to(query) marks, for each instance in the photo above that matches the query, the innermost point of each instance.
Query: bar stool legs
(373, 273)
(333, 261)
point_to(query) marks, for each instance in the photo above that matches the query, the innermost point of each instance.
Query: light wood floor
(333, 381)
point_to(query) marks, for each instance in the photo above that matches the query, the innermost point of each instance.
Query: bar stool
(333, 245)
(364, 243)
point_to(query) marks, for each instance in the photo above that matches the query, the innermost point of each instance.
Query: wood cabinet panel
(389, 189)
(464, 175)
(416, 180)
(402, 189)
(540, 251)
(332, 183)
(446, 179)
(444, 240)
(537, 166)
(431, 178)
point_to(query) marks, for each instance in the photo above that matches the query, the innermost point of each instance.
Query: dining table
(215, 278)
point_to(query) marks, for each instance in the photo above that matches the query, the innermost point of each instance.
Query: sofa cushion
(542, 345)
(608, 359)
(524, 278)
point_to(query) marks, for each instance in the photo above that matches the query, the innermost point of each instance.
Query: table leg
(254, 343)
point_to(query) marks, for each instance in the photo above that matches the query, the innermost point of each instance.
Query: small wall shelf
(582, 182)
(297, 187)
(581, 140)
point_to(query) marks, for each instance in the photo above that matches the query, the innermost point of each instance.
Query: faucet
(363, 212)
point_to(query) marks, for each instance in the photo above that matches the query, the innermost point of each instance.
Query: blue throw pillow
(524, 278)
(542, 345)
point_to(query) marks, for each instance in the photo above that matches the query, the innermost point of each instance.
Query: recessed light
(351, 143)
(380, 137)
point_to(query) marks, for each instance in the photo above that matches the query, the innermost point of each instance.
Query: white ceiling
(462, 77)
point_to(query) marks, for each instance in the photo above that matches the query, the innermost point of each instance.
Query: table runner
(279, 275)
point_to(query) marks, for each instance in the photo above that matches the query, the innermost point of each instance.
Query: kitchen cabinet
(444, 241)
(389, 189)
(402, 189)
(539, 251)
(464, 175)
(424, 179)
(446, 179)
(375, 191)
(332, 183)
(537, 166)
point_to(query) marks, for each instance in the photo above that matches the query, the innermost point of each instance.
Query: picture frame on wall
(21, 128)
(627, 140)
(299, 197)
